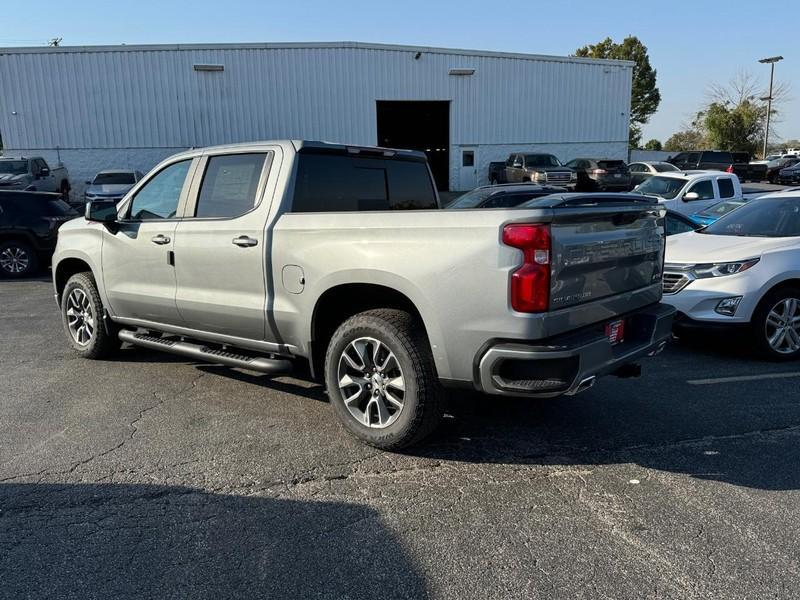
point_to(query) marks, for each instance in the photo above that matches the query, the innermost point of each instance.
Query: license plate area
(615, 331)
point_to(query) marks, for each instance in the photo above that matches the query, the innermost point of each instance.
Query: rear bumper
(569, 363)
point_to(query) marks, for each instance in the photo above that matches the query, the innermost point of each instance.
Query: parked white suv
(689, 192)
(744, 270)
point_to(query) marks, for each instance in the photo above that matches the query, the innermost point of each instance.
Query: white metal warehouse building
(103, 107)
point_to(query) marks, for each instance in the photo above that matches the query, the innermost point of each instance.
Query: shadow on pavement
(143, 541)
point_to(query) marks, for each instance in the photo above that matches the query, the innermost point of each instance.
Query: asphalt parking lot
(150, 476)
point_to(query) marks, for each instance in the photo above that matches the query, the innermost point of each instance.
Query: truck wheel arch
(340, 302)
(65, 269)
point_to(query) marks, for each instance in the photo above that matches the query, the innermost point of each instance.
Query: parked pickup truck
(33, 175)
(737, 163)
(256, 255)
(544, 169)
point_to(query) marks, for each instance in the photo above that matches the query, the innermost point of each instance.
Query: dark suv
(717, 160)
(601, 175)
(29, 223)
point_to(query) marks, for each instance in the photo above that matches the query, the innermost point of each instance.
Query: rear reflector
(530, 283)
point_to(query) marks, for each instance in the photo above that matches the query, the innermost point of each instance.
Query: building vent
(462, 72)
(208, 67)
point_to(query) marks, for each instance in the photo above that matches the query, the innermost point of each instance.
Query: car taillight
(729, 169)
(530, 283)
(598, 171)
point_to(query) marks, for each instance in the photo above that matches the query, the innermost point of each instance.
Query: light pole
(771, 62)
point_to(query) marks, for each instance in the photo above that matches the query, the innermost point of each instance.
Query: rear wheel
(82, 315)
(776, 324)
(17, 259)
(381, 381)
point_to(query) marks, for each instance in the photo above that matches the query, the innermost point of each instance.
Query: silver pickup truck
(257, 255)
(33, 174)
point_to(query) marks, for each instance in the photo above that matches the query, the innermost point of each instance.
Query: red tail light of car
(530, 283)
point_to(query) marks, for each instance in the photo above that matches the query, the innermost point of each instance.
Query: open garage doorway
(418, 125)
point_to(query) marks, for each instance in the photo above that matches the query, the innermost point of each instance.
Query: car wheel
(381, 380)
(17, 259)
(776, 324)
(82, 315)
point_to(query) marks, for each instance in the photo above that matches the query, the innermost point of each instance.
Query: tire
(93, 341)
(17, 259)
(768, 319)
(355, 342)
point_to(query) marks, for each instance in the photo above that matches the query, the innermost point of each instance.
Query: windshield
(665, 167)
(762, 217)
(541, 160)
(471, 199)
(113, 178)
(14, 167)
(721, 208)
(663, 187)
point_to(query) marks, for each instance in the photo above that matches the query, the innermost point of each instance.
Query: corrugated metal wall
(131, 106)
(150, 97)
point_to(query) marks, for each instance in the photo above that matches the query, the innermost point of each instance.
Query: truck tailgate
(604, 249)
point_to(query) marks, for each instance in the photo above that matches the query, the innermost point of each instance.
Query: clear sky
(692, 44)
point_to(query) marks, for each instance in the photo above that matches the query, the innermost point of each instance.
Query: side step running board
(200, 352)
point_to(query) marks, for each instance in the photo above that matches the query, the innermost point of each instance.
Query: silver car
(111, 184)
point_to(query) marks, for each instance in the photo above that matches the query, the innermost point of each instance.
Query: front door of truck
(137, 252)
(221, 247)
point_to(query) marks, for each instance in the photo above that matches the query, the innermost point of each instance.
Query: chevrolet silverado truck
(33, 175)
(259, 255)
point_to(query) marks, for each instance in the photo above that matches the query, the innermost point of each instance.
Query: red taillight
(530, 284)
(729, 169)
(598, 171)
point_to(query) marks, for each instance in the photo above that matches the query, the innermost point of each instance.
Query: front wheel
(776, 325)
(82, 315)
(381, 381)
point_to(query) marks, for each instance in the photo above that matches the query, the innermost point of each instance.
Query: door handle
(160, 239)
(244, 241)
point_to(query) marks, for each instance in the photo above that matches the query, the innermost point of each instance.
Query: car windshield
(14, 167)
(541, 160)
(471, 199)
(762, 217)
(663, 187)
(665, 167)
(114, 178)
(721, 208)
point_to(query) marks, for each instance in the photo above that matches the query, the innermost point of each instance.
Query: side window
(693, 157)
(704, 189)
(635, 168)
(572, 164)
(468, 158)
(159, 197)
(328, 183)
(229, 185)
(725, 187)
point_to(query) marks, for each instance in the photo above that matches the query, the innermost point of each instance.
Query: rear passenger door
(220, 247)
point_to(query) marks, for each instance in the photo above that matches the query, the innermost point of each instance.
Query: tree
(687, 139)
(735, 116)
(645, 96)
(653, 144)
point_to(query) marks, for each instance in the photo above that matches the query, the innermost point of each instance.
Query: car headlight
(722, 269)
(539, 176)
(573, 176)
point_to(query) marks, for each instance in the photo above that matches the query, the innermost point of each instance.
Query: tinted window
(14, 167)
(762, 217)
(741, 157)
(611, 164)
(334, 182)
(725, 187)
(717, 157)
(704, 189)
(664, 167)
(678, 225)
(229, 185)
(541, 160)
(693, 157)
(120, 178)
(637, 168)
(159, 197)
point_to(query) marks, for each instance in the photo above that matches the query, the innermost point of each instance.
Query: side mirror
(101, 211)
(636, 187)
(44, 172)
(691, 196)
